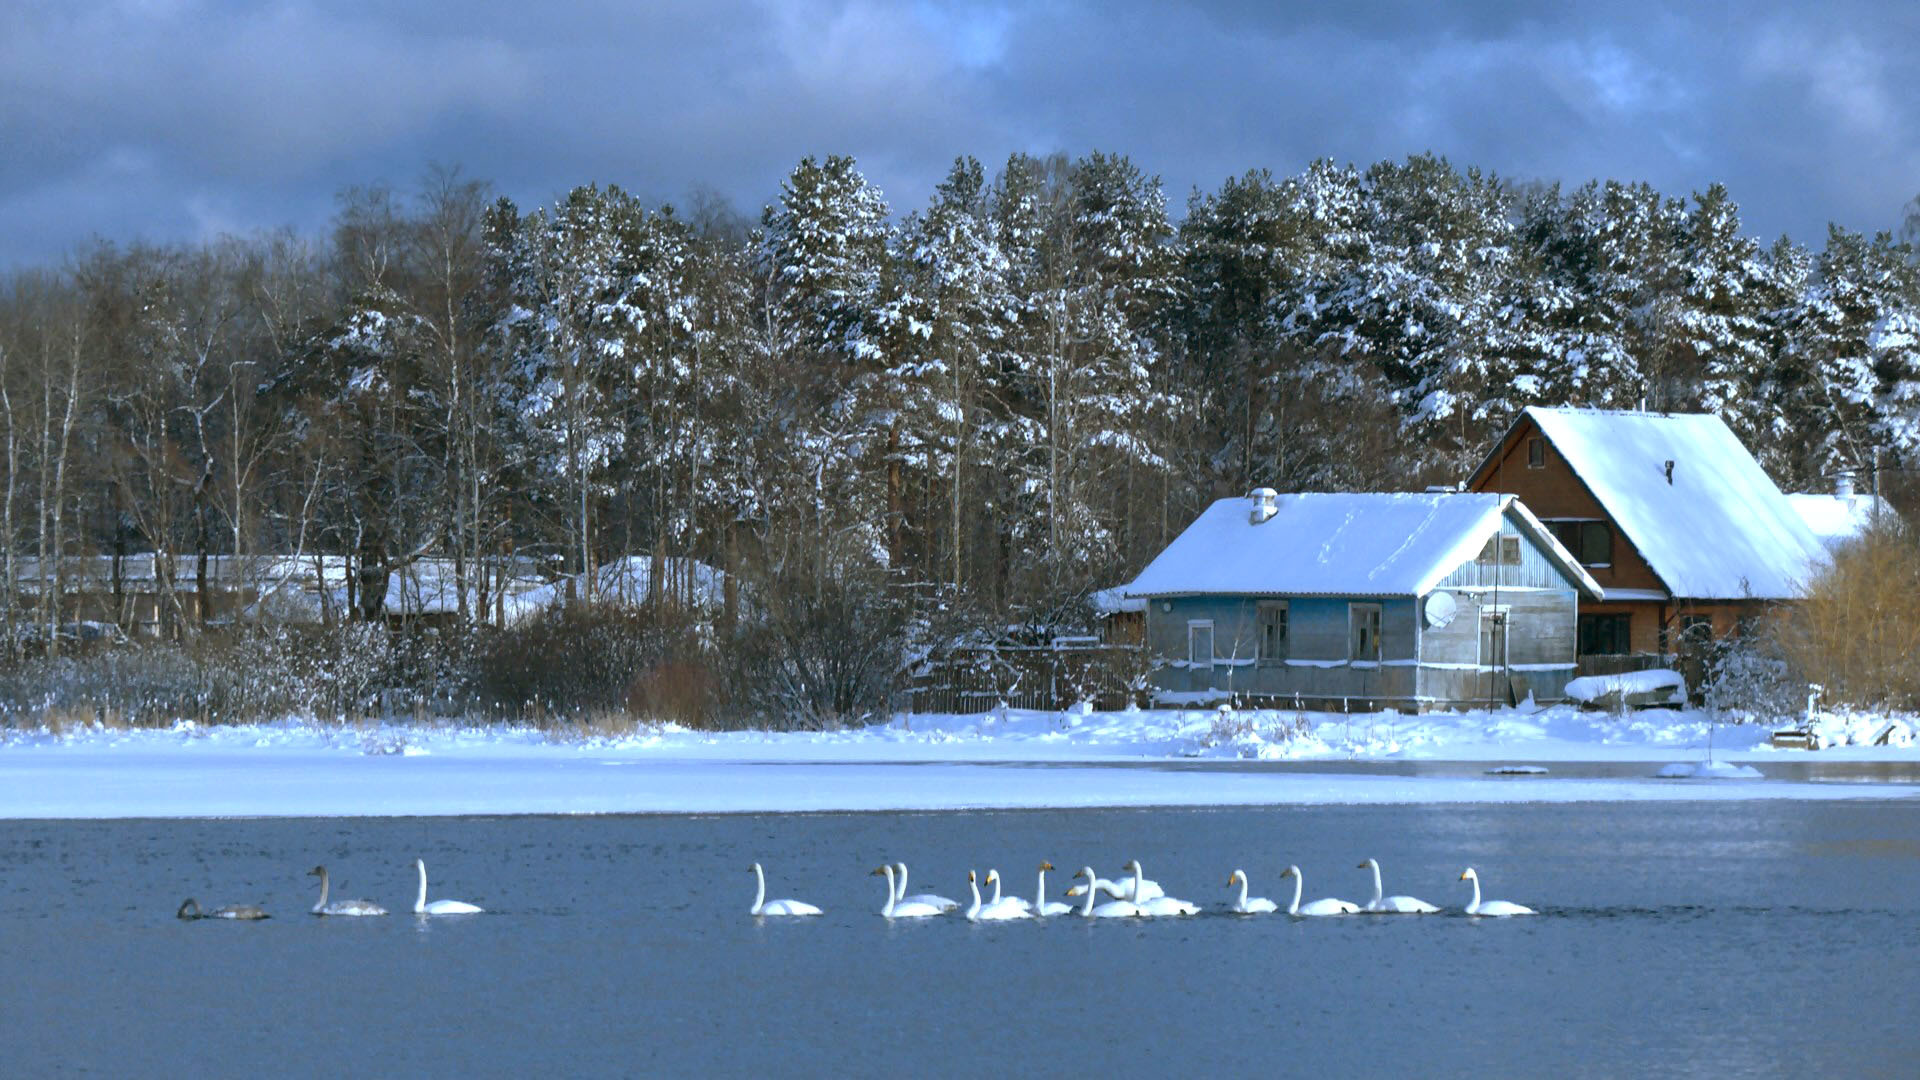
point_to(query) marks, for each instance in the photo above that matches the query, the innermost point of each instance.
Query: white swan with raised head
(935, 899)
(1393, 905)
(904, 909)
(1157, 906)
(1493, 908)
(1259, 905)
(1042, 906)
(438, 907)
(1000, 912)
(1021, 902)
(764, 906)
(340, 907)
(1112, 909)
(1327, 906)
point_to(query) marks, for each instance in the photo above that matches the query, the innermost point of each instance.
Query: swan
(1112, 909)
(341, 907)
(992, 912)
(1042, 906)
(1021, 902)
(1259, 905)
(190, 909)
(1495, 908)
(935, 899)
(1158, 905)
(1329, 906)
(1392, 905)
(438, 907)
(1122, 889)
(904, 909)
(764, 906)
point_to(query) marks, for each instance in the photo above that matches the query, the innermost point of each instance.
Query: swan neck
(1475, 906)
(759, 889)
(974, 911)
(322, 902)
(887, 910)
(420, 900)
(1040, 894)
(1243, 891)
(1376, 881)
(1133, 891)
(1086, 910)
(900, 890)
(1298, 886)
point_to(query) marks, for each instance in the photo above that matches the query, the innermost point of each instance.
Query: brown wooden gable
(1553, 490)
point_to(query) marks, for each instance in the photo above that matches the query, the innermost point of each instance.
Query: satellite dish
(1440, 609)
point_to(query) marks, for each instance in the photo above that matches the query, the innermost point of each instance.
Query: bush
(1858, 629)
(824, 655)
(602, 658)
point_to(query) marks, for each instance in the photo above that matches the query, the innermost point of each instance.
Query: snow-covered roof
(1339, 545)
(1718, 528)
(1115, 601)
(628, 581)
(1836, 519)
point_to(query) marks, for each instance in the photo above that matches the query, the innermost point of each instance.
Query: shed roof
(1339, 545)
(1717, 529)
(1836, 519)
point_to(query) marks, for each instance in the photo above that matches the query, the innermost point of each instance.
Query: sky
(180, 120)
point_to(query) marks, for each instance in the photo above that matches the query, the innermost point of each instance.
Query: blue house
(1409, 601)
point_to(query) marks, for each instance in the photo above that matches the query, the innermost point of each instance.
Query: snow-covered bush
(1747, 680)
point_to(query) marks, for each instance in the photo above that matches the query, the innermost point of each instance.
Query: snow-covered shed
(1367, 600)
(1682, 528)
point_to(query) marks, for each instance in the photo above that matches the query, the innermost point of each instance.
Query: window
(1536, 453)
(1200, 643)
(1508, 548)
(1273, 630)
(1605, 635)
(1363, 621)
(1590, 542)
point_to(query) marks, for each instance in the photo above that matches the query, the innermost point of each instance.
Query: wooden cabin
(1363, 601)
(1686, 534)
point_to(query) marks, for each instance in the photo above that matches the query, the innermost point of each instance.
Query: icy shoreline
(997, 760)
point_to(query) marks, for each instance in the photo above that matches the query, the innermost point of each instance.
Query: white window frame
(1193, 626)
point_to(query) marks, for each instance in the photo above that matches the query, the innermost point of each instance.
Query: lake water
(1676, 939)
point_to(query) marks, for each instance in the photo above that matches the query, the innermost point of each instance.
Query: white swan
(1123, 888)
(1393, 905)
(1259, 905)
(904, 909)
(1494, 908)
(1112, 909)
(1042, 906)
(190, 909)
(936, 900)
(1159, 905)
(1021, 902)
(438, 907)
(764, 906)
(1000, 912)
(1328, 906)
(341, 907)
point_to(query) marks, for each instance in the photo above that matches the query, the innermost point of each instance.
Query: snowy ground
(1017, 759)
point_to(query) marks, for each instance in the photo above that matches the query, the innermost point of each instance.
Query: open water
(1675, 939)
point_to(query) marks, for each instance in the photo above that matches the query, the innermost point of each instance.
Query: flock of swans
(190, 909)
(1131, 897)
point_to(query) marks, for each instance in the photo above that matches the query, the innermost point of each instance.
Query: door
(1493, 656)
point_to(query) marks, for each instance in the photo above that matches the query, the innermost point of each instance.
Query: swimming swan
(936, 900)
(904, 909)
(1259, 905)
(1494, 908)
(341, 907)
(1021, 902)
(1329, 906)
(190, 909)
(1042, 906)
(438, 907)
(1122, 889)
(992, 912)
(764, 906)
(1158, 905)
(1393, 905)
(1112, 909)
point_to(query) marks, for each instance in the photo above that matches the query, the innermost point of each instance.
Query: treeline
(968, 414)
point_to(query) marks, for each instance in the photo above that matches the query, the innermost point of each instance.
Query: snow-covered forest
(917, 419)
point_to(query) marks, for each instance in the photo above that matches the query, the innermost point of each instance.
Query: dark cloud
(171, 119)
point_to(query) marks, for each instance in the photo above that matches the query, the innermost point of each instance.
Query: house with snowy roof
(1684, 531)
(1408, 601)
